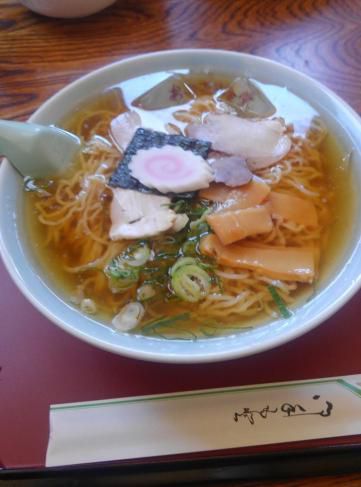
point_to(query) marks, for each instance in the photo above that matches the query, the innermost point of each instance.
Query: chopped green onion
(199, 211)
(190, 282)
(88, 306)
(190, 208)
(124, 270)
(180, 206)
(145, 292)
(168, 240)
(154, 325)
(190, 247)
(151, 270)
(195, 224)
(204, 229)
(181, 262)
(198, 229)
(207, 334)
(281, 305)
(128, 317)
(136, 255)
(121, 278)
(165, 255)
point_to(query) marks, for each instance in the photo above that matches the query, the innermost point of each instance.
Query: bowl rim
(349, 289)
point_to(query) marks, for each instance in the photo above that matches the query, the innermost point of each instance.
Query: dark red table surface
(43, 365)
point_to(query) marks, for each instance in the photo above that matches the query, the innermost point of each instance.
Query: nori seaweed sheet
(146, 139)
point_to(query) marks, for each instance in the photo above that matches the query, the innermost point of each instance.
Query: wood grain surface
(321, 38)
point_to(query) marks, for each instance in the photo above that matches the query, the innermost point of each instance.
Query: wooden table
(321, 38)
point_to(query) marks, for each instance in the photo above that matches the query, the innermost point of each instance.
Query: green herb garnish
(158, 324)
(281, 305)
(165, 255)
(193, 210)
(121, 278)
(190, 282)
(181, 206)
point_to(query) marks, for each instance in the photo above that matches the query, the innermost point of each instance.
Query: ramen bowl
(339, 284)
(66, 8)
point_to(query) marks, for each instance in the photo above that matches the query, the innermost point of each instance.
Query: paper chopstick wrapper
(195, 421)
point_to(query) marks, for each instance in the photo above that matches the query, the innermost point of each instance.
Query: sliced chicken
(170, 169)
(139, 215)
(260, 142)
(123, 127)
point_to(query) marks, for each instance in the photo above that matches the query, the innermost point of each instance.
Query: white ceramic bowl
(66, 8)
(33, 281)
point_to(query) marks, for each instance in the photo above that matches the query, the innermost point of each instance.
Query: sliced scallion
(161, 323)
(190, 283)
(137, 255)
(182, 262)
(145, 292)
(281, 305)
(121, 277)
(128, 317)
